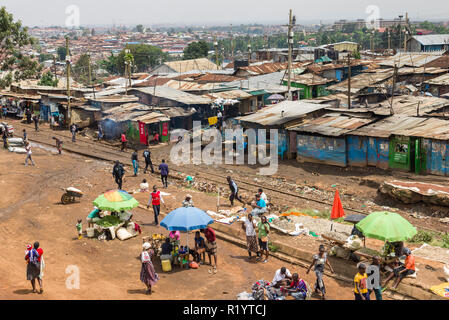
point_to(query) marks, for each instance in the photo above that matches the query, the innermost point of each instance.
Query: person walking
(5, 112)
(234, 191)
(155, 200)
(148, 162)
(319, 262)
(118, 172)
(28, 151)
(28, 115)
(73, 130)
(135, 162)
(147, 273)
(163, 168)
(25, 136)
(33, 259)
(124, 141)
(36, 122)
(360, 283)
(251, 235)
(211, 247)
(5, 138)
(263, 230)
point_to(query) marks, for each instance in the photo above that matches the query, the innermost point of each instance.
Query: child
(79, 227)
(58, 145)
(360, 284)
(144, 186)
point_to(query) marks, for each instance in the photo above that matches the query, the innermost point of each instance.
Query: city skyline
(201, 12)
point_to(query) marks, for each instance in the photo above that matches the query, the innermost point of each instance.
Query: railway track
(104, 152)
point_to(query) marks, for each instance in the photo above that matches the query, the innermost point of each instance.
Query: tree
(196, 50)
(45, 56)
(110, 64)
(62, 52)
(14, 37)
(139, 28)
(48, 80)
(144, 57)
(81, 69)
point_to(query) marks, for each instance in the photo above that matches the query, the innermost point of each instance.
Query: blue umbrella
(186, 219)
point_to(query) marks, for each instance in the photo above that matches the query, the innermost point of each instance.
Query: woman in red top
(35, 266)
(124, 141)
(155, 200)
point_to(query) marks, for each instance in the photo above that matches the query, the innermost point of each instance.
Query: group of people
(35, 265)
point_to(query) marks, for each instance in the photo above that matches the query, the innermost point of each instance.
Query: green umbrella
(384, 225)
(115, 200)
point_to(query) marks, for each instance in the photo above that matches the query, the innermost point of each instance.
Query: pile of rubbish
(263, 290)
(16, 145)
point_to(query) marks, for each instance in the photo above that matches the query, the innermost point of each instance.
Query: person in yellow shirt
(360, 284)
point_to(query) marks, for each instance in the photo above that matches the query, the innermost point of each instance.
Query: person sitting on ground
(155, 139)
(144, 186)
(408, 268)
(93, 217)
(263, 196)
(188, 202)
(361, 284)
(259, 206)
(297, 288)
(200, 248)
(167, 248)
(281, 277)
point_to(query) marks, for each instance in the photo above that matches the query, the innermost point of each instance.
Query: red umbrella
(337, 207)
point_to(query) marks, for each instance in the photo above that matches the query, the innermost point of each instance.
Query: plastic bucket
(90, 232)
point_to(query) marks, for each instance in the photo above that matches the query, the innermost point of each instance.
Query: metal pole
(69, 115)
(290, 40)
(349, 81)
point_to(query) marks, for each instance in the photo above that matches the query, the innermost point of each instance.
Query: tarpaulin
(165, 128)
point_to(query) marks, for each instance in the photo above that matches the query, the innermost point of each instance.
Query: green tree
(110, 64)
(62, 52)
(196, 50)
(144, 57)
(45, 56)
(48, 79)
(13, 37)
(139, 28)
(81, 69)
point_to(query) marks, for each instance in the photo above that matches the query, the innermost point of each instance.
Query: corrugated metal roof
(282, 113)
(190, 86)
(309, 79)
(270, 67)
(442, 80)
(333, 124)
(151, 117)
(432, 39)
(193, 64)
(231, 94)
(361, 81)
(410, 59)
(421, 70)
(403, 125)
(173, 94)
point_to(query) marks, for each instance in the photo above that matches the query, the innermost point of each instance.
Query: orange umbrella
(337, 207)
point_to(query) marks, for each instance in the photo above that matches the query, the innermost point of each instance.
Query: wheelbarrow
(70, 195)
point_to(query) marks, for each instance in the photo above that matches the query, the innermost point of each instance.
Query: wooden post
(289, 92)
(69, 114)
(349, 81)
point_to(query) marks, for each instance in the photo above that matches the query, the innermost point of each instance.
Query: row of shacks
(381, 128)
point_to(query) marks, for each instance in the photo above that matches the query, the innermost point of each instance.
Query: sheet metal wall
(367, 151)
(437, 156)
(320, 149)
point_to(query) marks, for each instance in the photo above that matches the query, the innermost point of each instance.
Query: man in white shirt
(263, 195)
(281, 276)
(28, 150)
(251, 235)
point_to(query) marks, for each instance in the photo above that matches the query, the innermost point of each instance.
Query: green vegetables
(109, 221)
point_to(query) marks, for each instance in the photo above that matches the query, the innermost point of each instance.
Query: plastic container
(90, 232)
(166, 265)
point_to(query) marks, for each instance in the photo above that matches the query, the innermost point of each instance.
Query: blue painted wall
(437, 156)
(327, 150)
(367, 151)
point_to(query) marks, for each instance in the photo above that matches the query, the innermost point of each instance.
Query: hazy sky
(148, 12)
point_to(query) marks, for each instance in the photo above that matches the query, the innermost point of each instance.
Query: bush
(422, 237)
(445, 239)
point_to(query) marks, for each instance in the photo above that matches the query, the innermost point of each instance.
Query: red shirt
(156, 198)
(123, 138)
(209, 234)
(41, 252)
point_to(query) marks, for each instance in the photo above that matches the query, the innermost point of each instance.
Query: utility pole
(67, 60)
(216, 51)
(389, 40)
(54, 68)
(232, 45)
(400, 29)
(349, 80)
(406, 31)
(395, 74)
(290, 44)
(249, 53)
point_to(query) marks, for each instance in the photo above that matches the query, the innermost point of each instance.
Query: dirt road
(30, 211)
